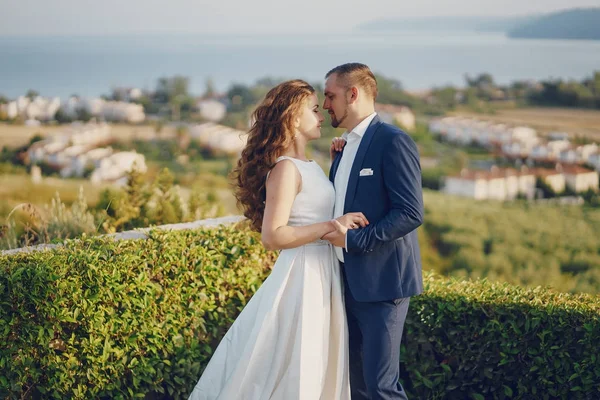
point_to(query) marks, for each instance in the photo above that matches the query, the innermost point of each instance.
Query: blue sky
(96, 17)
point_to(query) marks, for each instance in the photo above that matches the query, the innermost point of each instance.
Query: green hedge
(480, 340)
(106, 319)
(122, 319)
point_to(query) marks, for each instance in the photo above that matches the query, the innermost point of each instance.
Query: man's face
(335, 101)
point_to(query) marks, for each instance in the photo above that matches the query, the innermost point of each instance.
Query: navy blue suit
(382, 263)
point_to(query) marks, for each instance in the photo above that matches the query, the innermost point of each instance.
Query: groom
(377, 173)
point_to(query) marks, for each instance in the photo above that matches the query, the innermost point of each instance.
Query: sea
(93, 65)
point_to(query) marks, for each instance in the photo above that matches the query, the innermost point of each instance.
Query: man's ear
(352, 94)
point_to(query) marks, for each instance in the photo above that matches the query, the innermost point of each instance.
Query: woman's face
(310, 119)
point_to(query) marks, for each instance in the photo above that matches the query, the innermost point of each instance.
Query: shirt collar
(361, 128)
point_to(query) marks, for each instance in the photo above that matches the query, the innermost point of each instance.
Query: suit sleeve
(402, 180)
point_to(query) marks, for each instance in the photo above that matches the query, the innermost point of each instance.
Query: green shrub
(121, 319)
(480, 340)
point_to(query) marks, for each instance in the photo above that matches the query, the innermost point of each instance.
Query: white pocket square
(366, 172)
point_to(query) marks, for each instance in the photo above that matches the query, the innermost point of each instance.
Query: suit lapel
(358, 161)
(335, 165)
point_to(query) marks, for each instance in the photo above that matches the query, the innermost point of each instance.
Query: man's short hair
(355, 74)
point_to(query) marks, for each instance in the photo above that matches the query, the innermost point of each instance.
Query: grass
(19, 135)
(17, 189)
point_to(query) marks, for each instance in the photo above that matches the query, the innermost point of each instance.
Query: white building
(526, 182)
(465, 131)
(568, 156)
(91, 159)
(515, 149)
(594, 160)
(117, 111)
(553, 178)
(467, 184)
(524, 134)
(61, 149)
(585, 151)
(115, 167)
(580, 179)
(437, 125)
(579, 154)
(12, 111)
(67, 157)
(219, 138)
(539, 152)
(556, 146)
(40, 108)
(401, 115)
(89, 133)
(496, 184)
(211, 110)
(45, 150)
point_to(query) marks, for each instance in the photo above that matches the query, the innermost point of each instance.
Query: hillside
(445, 24)
(581, 23)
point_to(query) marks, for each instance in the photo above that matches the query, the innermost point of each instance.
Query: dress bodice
(315, 201)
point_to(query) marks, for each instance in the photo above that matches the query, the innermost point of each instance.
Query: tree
(168, 209)
(269, 82)
(36, 138)
(446, 96)
(32, 94)
(547, 190)
(390, 91)
(83, 114)
(481, 81)
(210, 90)
(174, 92)
(117, 95)
(168, 88)
(61, 117)
(240, 97)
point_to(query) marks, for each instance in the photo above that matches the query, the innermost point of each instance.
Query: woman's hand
(337, 144)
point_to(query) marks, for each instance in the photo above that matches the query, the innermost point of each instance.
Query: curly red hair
(272, 132)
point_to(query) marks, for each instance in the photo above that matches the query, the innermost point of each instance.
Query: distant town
(563, 166)
(527, 164)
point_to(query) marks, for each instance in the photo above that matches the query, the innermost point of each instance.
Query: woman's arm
(283, 184)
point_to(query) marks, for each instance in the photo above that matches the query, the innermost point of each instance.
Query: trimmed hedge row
(482, 340)
(123, 319)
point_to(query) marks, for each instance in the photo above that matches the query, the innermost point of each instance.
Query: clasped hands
(341, 225)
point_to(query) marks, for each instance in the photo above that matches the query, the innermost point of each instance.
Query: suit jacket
(382, 261)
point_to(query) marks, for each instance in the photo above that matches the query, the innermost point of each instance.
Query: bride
(291, 340)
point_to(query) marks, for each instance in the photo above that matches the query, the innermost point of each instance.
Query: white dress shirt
(342, 175)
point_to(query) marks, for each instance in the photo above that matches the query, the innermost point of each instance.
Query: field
(16, 189)
(522, 243)
(19, 135)
(573, 121)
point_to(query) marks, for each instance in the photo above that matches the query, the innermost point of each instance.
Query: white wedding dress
(290, 342)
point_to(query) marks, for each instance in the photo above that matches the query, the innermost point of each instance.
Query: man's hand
(337, 237)
(353, 220)
(337, 144)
